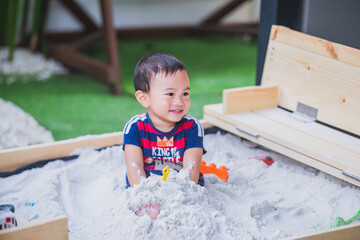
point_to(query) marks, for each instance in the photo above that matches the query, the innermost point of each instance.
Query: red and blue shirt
(163, 146)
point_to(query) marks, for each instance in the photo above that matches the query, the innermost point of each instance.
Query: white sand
(258, 201)
(27, 65)
(18, 128)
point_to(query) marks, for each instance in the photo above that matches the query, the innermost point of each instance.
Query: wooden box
(307, 107)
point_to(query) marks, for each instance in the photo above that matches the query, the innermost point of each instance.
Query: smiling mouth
(176, 111)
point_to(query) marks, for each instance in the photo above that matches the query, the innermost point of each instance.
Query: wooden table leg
(111, 47)
(69, 53)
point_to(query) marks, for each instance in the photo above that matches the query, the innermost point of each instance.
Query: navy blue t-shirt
(158, 146)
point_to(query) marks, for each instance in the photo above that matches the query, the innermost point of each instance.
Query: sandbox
(284, 200)
(83, 195)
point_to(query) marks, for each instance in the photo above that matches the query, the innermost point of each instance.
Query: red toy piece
(266, 159)
(220, 172)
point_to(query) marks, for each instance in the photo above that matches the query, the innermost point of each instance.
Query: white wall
(142, 13)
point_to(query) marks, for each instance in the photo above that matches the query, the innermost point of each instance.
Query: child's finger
(139, 212)
(152, 214)
(157, 206)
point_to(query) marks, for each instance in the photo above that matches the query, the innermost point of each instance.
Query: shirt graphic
(161, 148)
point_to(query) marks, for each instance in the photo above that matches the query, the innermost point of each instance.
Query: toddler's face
(168, 98)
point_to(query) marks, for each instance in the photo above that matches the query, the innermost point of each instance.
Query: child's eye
(186, 94)
(170, 94)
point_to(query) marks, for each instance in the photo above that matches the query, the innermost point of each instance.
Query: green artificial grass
(76, 104)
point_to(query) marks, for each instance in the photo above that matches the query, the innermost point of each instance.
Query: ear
(142, 98)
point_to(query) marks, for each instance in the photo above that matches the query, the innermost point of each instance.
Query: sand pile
(18, 128)
(26, 66)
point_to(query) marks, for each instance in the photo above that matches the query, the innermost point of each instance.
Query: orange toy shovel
(220, 172)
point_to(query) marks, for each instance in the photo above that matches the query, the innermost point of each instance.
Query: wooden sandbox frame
(56, 228)
(301, 74)
(10, 159)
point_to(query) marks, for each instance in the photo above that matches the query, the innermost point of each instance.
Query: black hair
(152, 64)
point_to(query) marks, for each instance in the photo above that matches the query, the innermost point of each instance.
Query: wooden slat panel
(315, 45)
(53, 229)
(331, 86)
(323, 151)
(314, 129)
(249, 99)
(213, 114)
(13, 158)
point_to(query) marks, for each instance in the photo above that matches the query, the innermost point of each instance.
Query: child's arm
(134, 163)
(192, 159)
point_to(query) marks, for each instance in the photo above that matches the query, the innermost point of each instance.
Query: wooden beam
(50, 229)
(349, 232)
(247, 99)
(84, 41)
(248, 24)
(65, 36)
(223, 11)
(155, 32)
(80, 62)
(250, 28)
(112, 59)
(13, 158)
(108, 72)
(80, 15)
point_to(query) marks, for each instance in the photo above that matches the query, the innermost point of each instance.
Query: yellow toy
(165, 172)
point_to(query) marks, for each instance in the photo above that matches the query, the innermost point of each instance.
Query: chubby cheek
(187, 103)
(164, 103)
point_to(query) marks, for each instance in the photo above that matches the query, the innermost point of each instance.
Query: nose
(178, 101)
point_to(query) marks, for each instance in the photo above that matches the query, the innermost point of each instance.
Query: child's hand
(151, 210)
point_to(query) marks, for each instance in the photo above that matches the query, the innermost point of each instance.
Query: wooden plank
(13, 158)
(84, 41)
(350, 232)
(327, 153)
(328, 85)
(151, 32)
(65, 36)
(252, 98)
(315, 45)
(219, 29)
(314, 129)
(51, 229)
(212, 115)
(79, 61)
(114, 75)
(131, 33)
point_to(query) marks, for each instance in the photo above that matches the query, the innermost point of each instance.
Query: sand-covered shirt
(163, 148)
